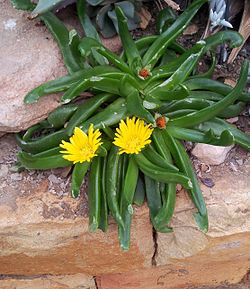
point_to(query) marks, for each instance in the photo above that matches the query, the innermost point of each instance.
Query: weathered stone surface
(44, 231)
(209, 154)
(29, 56)
(224, 260)
(114, 43)
(78, 281)
(189, 258)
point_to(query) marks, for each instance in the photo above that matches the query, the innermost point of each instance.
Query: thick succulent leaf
(100, 83)
(45, 5)
(78, 174)
(184, 164)
(23, 4)
(219, 125)
(233, 37)
(225, 138)
(42, 144)
(129, 45)
(177, 64)
(67, 44)
(213, 86)
(65, 82)
(89, 29)
(156, 50)
(94, 2)
(86, 46)
(42, 163)
(164, 19)
(136, 108)
(180, 74)
(104, 23)
(213, 110)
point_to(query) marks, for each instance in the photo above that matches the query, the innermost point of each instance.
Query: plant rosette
(129, 135)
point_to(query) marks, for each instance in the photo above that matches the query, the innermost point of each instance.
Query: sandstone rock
(114, 44)
(188, 258)
(209, 154)
(77, 281)
(220, 263)
(46, 232)
(29, 56)
(191, 29)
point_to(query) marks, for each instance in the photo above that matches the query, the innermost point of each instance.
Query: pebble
(53, 179)
(52, 191)
(63, 186)
(60, 193)
(240, 162)
(233, 167)
(16, 177)
(233, 119)
(209, 154)
(178, 187)
(208, 182)
(4, 170)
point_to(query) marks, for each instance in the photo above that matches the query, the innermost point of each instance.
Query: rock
(29, 56)
(145, 16)
(212, 266)
(188, 258)
(209, 154)
(191, 29)
(16, 177)
(77, 281)
(240, 162)
(233, 119)
(46, 233)
(4, 170)
(114, 44)
(53, 179)
(71, 20)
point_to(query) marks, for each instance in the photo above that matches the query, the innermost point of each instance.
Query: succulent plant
(217, 14)
(145, 103)
(105, 17)
(101, 12)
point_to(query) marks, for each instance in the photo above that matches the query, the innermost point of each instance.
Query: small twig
(172, 4)
(159, 5)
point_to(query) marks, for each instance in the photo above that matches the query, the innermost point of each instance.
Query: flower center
(87, 150)
(134, 144)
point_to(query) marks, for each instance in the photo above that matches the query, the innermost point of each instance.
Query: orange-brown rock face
(224, 260)
(29, 56)
(188, 258)
(45, 231)
(48, 282)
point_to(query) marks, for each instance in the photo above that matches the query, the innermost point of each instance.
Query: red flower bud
(144, 72)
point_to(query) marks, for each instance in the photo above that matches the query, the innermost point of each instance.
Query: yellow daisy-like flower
(82, 147)
(132, 136)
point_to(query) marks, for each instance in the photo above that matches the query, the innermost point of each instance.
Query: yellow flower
(82, 147)
(132, 136)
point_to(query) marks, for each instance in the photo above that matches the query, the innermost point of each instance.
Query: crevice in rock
(246, 278)
(96, 285)
(155, 236)
(23, 277)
